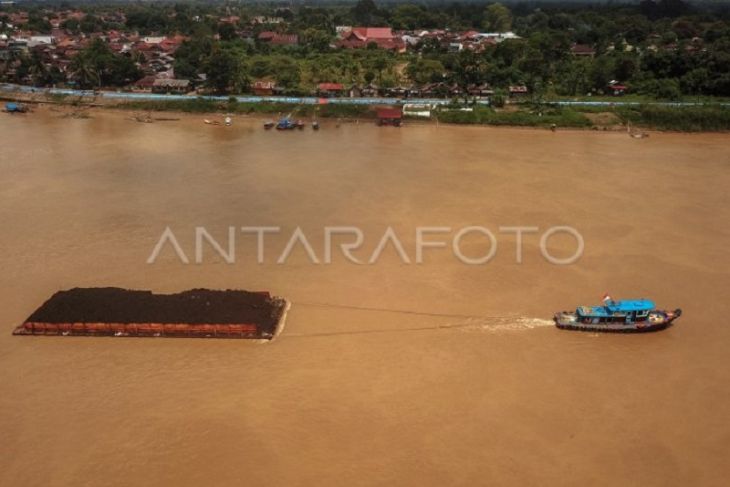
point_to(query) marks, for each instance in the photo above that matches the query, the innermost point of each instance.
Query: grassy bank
(559, 116)
(685, 119)
(706, 118)
(202, 105)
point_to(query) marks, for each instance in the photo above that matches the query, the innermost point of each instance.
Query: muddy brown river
(391, 373)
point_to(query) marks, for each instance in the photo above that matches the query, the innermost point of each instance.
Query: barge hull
(182, 330)
(198, 313)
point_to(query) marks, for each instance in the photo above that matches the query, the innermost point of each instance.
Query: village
(39, 48)
(155, 54)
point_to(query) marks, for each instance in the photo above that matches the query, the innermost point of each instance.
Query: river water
(438, 373)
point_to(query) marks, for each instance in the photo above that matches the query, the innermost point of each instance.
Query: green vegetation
(97, 66)
(686, 119)
(203, 105)
(545, 117)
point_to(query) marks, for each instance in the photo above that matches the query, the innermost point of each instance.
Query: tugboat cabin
(630, 311)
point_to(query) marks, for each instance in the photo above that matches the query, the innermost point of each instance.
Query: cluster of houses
(56, 49)
(387, 38)
(431, 90)
(155, 55)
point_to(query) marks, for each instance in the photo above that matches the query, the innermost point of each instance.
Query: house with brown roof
(276, 39)
(582, 50)
(167, 85)
(518, 90)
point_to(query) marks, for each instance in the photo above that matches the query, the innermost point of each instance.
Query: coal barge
(197, 313)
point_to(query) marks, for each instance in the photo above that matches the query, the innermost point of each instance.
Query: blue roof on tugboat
(617, 307)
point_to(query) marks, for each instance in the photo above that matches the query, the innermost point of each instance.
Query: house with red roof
(361, 37)
(330, 89)
(390, 116)
(518, 90)
(264, 87)
(616, 88)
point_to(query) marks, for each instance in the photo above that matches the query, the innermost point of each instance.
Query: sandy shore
(114, 109)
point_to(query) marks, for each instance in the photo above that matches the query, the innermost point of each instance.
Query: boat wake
(497, 325)
(464, 323)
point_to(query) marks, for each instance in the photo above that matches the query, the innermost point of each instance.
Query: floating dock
(198, 313)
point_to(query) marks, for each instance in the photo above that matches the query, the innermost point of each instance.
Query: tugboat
(635, 315)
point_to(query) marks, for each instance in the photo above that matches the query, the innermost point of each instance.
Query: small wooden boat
(635, 315)
(299, 124)
(228, 121)
(11, 107)
(269, 124)
(315, 125)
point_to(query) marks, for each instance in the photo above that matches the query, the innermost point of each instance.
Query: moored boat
(269, 124)
(11, 107)
(286, 124)
(634, 315)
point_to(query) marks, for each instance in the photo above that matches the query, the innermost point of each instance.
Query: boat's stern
(565, 318)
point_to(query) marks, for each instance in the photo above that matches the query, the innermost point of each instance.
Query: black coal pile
(197, 306)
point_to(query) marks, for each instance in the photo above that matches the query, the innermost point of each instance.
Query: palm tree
(85, 71)
(37, 69)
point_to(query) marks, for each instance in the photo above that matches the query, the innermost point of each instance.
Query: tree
(316, 39)
(227, 32)
(85, 71)
(364, 12)
(222, 70)
(499, 99)
(191, 56)
(469, 69)
(97, 65)
(667, 89)
(625, 68)
(425, 71)
(696, 81)
(574, 77)
(407, 16)
(497, 18)
(601, 72)
(378, 63)
(286, 71)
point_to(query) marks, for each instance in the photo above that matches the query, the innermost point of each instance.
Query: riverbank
(681, 118)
